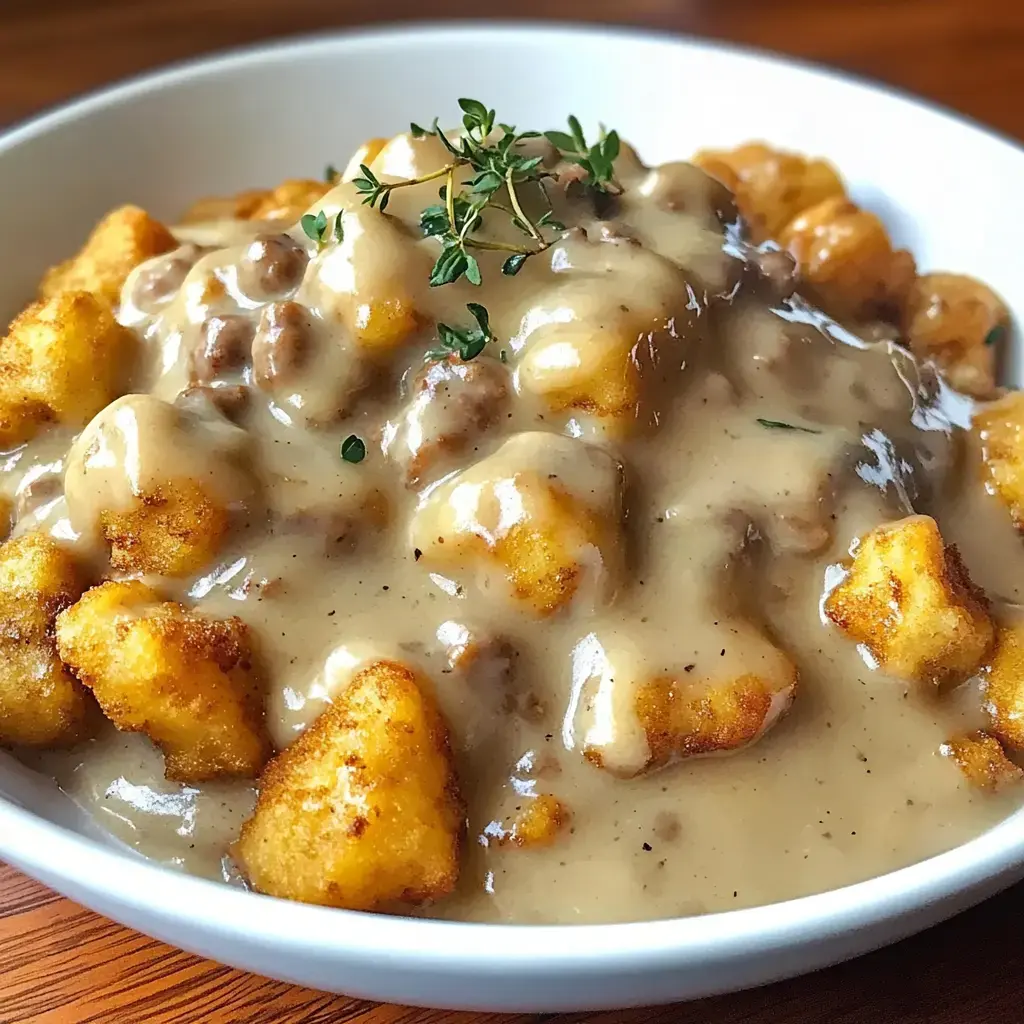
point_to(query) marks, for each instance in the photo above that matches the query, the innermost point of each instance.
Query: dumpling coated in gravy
(687, 718)
(185, 680)
(611, 353)
(41, 704)
(545, 510)
(362, 283)
(909, 600)
(158, 483)
(362, 811)
(632, 719)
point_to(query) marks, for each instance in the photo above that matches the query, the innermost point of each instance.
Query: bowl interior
(947, 189)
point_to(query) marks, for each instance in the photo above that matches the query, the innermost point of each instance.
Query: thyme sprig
(492, 150)
(596, 160)
(500, 169)
(315, 226)
(466, 342)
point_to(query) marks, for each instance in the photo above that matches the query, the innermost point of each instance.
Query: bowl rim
(57, 854)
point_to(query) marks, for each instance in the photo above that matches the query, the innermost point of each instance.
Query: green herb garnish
(331, 174)
(353, 449)
(596, 160)
(500, 169)
(502, 174)
(315, 227)
(779, 425)
(466, 342)
(995, 335)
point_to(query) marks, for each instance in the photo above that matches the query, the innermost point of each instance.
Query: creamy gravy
(730, 525)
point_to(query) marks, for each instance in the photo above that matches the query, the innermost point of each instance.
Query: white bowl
(948, 189)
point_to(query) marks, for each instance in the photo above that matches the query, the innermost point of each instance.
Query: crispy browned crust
(982, 760)
(1004, 688)
(184, 680)
(41, 705)
(61, 361)
(1000, 427)
(910, 601)
(363, 810)
(686, 719)
(122, 240)
(174, 531)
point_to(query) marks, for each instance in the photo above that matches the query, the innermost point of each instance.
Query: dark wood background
(61, 964)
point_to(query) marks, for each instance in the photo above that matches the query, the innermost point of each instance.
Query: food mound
(507, 528)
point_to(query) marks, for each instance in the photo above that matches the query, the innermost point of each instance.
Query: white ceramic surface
(947, 189)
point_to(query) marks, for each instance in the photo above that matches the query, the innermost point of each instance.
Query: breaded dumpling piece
(289, 200)
(632, 714)
(982, 760)
(61, 361)
(845, 254)
(597, 375)
(41, 705)
(362, 811)
(539, 822)
(183, 679)
(771, 186)
(1004, 688)
(1000, 427)
(237, 207)
(120, 242)
(160, 484)
(605, 354)
(362, 282)
(688, 718)
(544, 510)
(173, 530)
(909, 600)
(959, 323)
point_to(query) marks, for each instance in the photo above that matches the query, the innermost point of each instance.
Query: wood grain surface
(61, 964)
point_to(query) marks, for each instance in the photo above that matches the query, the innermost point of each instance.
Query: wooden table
(61, 964)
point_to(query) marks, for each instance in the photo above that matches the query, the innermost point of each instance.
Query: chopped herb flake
(779, 425)
(353, 449)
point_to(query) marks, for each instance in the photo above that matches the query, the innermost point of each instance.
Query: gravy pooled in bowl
(536, 552)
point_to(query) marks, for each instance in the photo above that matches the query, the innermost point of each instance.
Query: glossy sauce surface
(720, 522)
